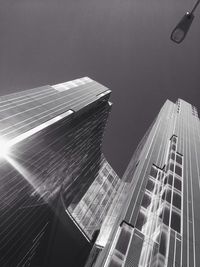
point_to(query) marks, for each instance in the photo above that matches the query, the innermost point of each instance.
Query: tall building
(158, 224)
(62, 204)
(56, 187)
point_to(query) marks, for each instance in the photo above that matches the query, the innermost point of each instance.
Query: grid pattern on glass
(161, 206)
(194, 111)
(94, 205)
(120, 250)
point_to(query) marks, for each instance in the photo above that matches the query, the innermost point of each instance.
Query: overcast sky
(123, 44)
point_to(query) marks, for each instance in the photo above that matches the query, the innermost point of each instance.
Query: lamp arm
(195, 6)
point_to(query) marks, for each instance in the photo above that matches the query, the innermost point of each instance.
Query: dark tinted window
(173, 147)
(163, 195)
(177, 184)
(174, 139)
(179, 159)
(171, 167)
(177, 200)
(176, 221)
(146, 201)
(178, 170)
(170, 179)
(153, 172)
(114, 263)
(163, 244)
(172, 156)
(168, 196)
(141, 220)
(166, 216)
(150, 185)
(123, 240)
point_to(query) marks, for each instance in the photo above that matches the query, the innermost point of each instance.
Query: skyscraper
(56, 186)
(158, 224)
(62, 204)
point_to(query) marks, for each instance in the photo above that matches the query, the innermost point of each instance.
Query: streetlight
(181, 29)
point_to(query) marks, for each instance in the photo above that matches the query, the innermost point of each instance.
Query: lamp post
(181, 29)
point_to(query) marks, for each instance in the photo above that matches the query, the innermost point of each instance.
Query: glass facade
(53, 169)
(158, 222)
(58, 191)
(94, 205)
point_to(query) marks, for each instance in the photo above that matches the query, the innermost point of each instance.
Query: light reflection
(4, 148)
(28, 176)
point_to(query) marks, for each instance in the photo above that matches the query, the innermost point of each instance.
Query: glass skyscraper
(158, 224)
(62, 204)
(56, 187)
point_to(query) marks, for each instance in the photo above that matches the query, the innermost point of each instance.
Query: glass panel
(150, 185)
(173, 147)
(124, 238)
(174, 139)
(163, 244)
(114, 263)
(178, 170)
(163, 195)
(141, 220)
(170, 179)
(179, 159)
(146, 201)
(171, 167)
(177, 184)
(176, 221)
(153, 172)
(172, 155)
(177, 200)
(166, 216)
(168, 196)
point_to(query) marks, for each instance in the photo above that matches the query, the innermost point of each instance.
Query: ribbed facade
(158, 225)
(56, 186)
(62, 204)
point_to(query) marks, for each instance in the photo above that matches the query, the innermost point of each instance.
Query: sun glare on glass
(4, 148)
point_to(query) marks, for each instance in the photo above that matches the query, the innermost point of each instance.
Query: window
(177, 184)
(124, 238)
(159, 176)
(114, 263)
(163, 195)
(141, 220)
(153, 172)
(168, 195)
(171, 167)
(179, 159)
(110, 178)
(166, 216)
(174, 139)
(178, 170)
(173, 147)
(170, 179)
(177, 200)
(146, 201)
(163, 243)
(172, 155)
(150, 185)
(176, 221)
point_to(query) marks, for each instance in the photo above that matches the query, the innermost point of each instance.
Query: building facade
(158, 225)
(56, 186)
(62, 204)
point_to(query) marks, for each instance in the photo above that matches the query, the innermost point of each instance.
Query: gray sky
(123, 44)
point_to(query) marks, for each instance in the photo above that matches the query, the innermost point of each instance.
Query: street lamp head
(180, 31)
